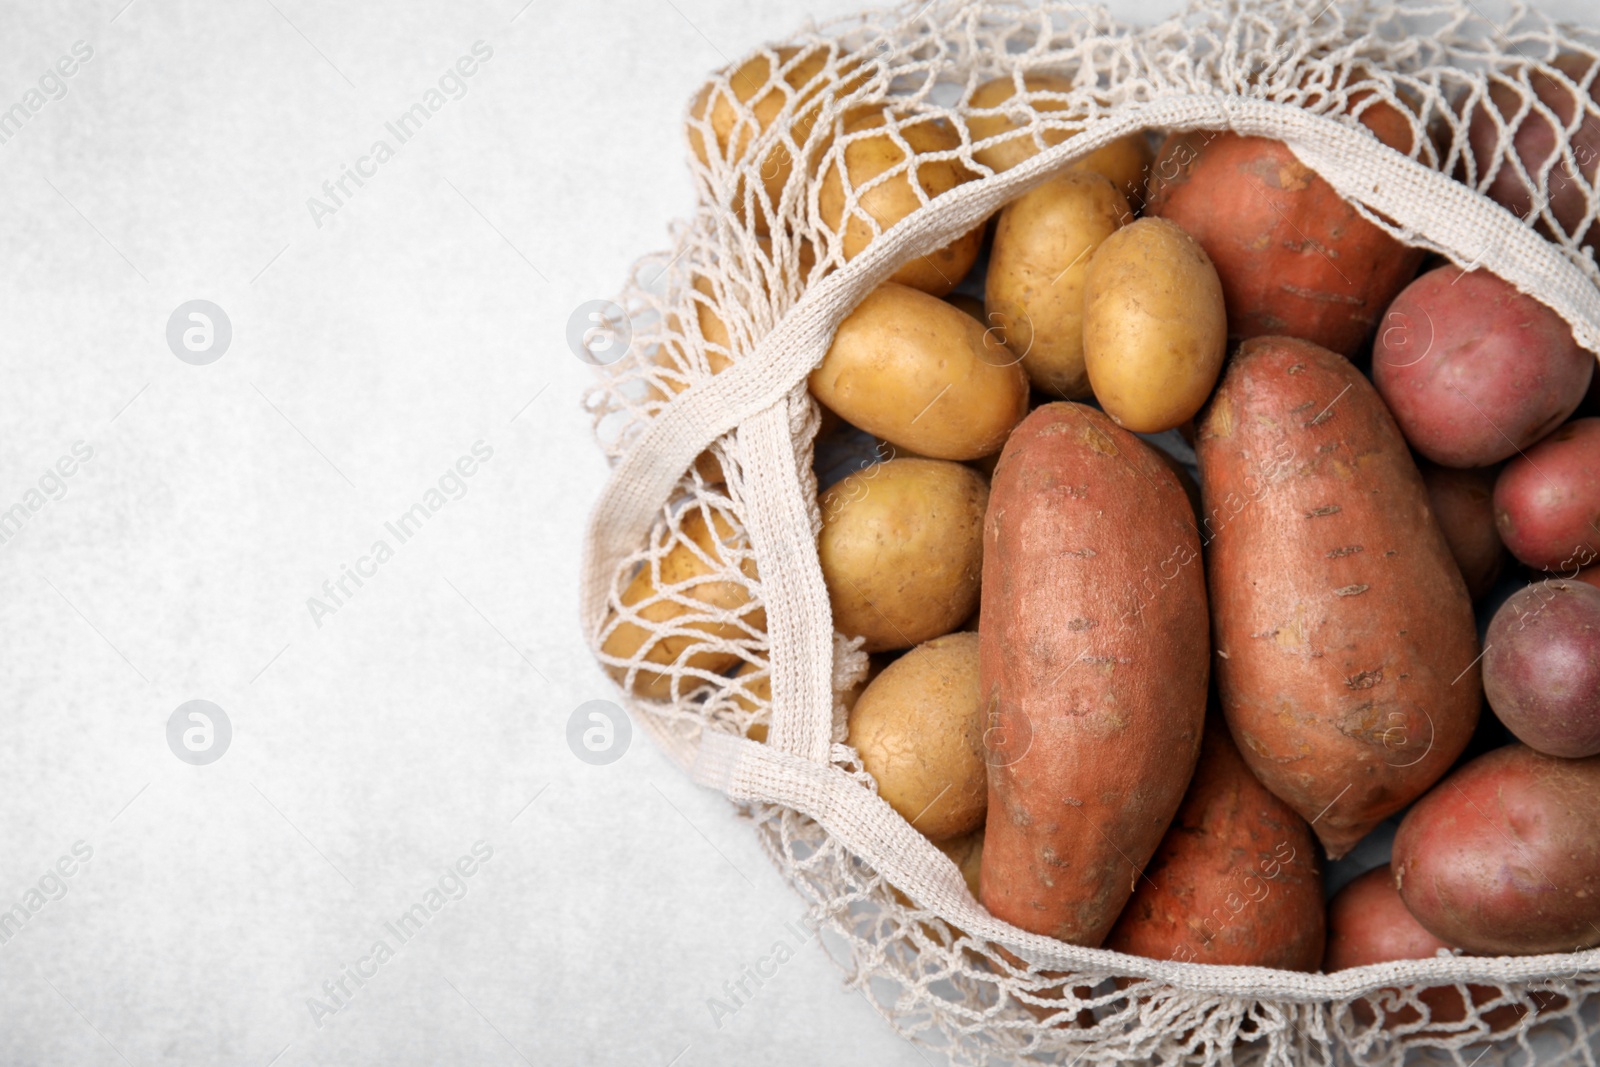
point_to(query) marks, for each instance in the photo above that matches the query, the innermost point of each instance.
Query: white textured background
(368, 354)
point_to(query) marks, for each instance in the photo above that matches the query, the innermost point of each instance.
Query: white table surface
(375, 745)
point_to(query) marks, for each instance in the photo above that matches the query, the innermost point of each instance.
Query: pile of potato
(1145, 713)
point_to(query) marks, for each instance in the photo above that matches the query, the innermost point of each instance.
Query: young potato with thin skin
(1094, 690)
(1347, 654)
(966, 852)
(1154, 326)
(1124, 161)
(673, 359)
(761, 690)
(1033, 295)
(753, 88)
(919, 730)
(719, 343)
(1236, 879)
(671, 355)
(923, 375)
(886, 203)
(1502, 858)
(680, 565)
(901, 549)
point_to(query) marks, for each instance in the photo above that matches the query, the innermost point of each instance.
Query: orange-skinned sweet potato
(1346, 651)
(1235, 881)
(1294, 258)
(1093, 668)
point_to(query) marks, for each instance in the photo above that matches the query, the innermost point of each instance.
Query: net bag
(702, 593)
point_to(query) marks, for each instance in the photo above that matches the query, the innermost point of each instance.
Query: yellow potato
(1125, 161)
(745, 109)
(866, 158)
(1154, 327)
(761, 689)
(672, 356)
(919, 730)
(1034, 290)
(902, 550)
(923, 375)
(684, 646)
(966, 852)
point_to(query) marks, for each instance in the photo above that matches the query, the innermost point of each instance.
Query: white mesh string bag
(702, 593)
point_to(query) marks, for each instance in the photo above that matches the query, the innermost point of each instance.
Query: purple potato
(1541, 667)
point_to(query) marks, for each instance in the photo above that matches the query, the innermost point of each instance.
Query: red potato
(1547, 501)
(1463, 505)
(1534, 145)
(1541, 667)
(1473, 370)
(1590, 576)
(1346, 649)
(1294, 258)
(1502, 859)
(1236, 880)
(1367, 924)
(1092, 665)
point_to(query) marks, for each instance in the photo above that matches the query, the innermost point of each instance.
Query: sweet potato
(1463, 505)
(1293, 257)
(1501, 858)
(1473, 370)
(1235, 880)
(1092, 665)
(1541, 667)
(1346, 650)
(1547, 501)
